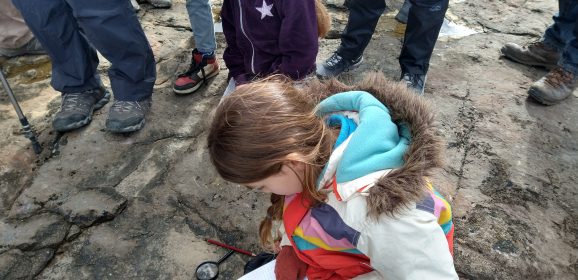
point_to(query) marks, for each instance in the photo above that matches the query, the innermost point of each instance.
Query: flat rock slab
(90, 206)
(46, 230)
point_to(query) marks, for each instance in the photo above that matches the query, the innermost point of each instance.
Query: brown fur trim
(407, 184)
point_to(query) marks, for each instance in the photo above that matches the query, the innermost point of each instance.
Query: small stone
(30, 74)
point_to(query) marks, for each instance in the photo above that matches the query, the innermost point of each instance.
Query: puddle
(28, 69)
(453, 30)
(450, 29)
(388, 24)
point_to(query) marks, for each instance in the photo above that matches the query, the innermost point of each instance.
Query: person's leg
(560, 82)
(15, 37)
(560, 32)
(14, 32)
(204, 63)
(74, 61)
(547, 51)
(363, 18)
(569, 59)
(403, 12)
(113, 28)
(424, 22)
(201, 18)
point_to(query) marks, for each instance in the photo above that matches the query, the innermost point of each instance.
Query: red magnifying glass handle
(231, 247)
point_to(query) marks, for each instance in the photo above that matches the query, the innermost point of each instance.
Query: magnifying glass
(210, 270)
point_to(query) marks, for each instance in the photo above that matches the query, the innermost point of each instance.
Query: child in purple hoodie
(267, 37)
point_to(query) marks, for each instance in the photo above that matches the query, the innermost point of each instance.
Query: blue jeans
(201, 19)
(563, 34)
(71, 30)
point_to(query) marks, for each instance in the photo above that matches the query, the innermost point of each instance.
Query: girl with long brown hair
(347, 176)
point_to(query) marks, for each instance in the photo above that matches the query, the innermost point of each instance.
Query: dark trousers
(424, 21)
(70, 30)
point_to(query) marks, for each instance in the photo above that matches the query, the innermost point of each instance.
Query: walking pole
(26, 129)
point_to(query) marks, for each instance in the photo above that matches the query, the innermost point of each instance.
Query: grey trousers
(14, 32)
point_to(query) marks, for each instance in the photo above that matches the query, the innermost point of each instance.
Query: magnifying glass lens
(207, 271)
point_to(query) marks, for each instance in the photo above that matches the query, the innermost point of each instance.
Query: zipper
(243, 31)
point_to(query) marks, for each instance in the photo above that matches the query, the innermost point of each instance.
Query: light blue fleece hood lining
(376, 144)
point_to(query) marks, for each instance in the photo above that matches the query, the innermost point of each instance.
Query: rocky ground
(95, 205)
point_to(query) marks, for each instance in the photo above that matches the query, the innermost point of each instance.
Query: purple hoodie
(269, 36)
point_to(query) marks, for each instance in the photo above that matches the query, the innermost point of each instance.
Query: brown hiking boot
(533, 54)
(556, 86)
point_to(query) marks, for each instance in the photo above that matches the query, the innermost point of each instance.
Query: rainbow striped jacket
(337, 238)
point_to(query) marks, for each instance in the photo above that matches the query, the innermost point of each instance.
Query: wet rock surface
(95, 205)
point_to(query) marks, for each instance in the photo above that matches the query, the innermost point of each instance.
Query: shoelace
(194, 67)
(559, 77)
(73, 101)
(123, 106)
(334, 59)
(539, 46)
(407, 79)
(411, 80)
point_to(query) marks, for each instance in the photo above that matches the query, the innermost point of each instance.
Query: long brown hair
(323, 19)
(257, 128)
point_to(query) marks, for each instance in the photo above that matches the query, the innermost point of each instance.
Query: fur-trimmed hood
(405, 184)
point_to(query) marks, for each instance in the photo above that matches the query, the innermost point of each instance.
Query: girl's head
(266, 136)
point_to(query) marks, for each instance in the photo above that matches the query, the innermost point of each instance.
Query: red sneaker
(203, 67)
